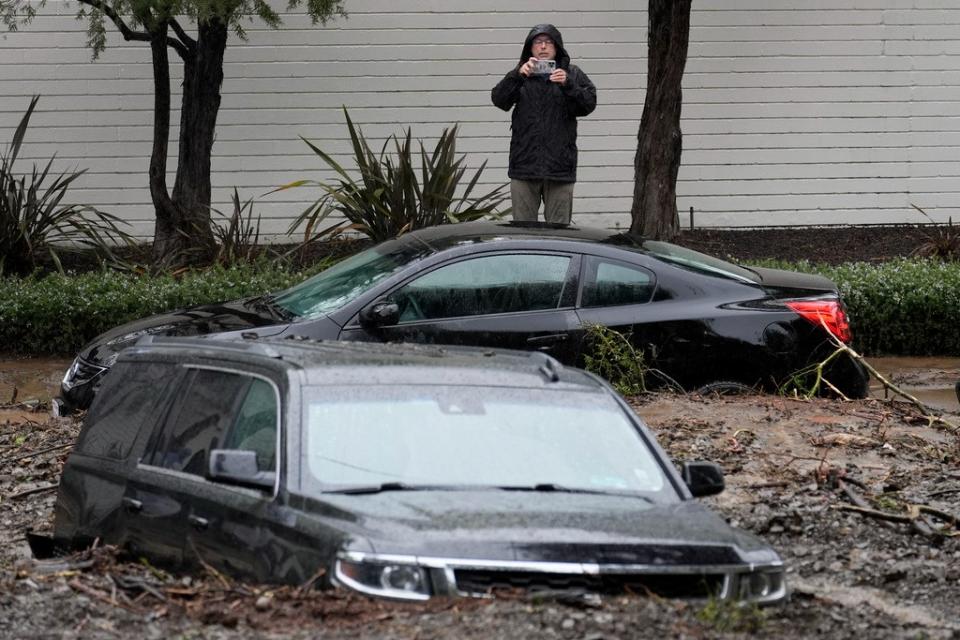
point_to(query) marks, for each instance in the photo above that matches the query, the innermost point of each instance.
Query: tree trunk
(659, 142)
(166, 216)
(188, 236)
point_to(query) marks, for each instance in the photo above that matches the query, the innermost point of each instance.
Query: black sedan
(401, 471)
(695, 318)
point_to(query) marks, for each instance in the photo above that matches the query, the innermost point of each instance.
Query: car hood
(787, 283)
(538, 526)
(237, 315)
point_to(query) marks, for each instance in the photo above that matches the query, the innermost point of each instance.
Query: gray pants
(557, 200)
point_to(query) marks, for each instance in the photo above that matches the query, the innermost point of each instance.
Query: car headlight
(67, 382)
(386, 580)
(762, 586)
(83, 372)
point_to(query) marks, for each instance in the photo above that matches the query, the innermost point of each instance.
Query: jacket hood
(563, 59)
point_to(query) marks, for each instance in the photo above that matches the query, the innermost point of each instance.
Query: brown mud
(813, 477)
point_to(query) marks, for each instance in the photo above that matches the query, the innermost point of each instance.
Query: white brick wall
(820, 112)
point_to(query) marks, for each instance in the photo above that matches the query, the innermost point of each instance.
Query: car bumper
(763, 585)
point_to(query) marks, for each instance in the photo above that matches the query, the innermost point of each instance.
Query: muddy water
(26, 379)
(930, 380)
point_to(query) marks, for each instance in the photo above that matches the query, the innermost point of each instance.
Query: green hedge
(58, 314)
(902, 307)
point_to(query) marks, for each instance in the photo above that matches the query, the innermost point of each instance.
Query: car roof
(553, 236)
(327, 362)
(441, 237)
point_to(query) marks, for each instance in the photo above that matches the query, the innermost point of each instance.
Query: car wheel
(725, 388)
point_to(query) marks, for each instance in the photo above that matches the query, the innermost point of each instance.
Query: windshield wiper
(540, 487)
(266, 303)
(553, 487)
(397, 486)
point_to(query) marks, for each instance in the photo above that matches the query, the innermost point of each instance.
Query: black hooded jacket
(544, 122)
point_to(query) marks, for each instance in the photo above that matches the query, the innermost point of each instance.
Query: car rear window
(123, 406)
(608, 284)
(696, 261)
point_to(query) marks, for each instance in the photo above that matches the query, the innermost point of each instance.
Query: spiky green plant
(34, 219)
(390, 197)
(238, 238)
(941, 242)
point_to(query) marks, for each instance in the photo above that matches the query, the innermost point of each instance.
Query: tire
(726, 388)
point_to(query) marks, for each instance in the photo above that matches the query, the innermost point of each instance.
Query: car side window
(608, 283)
(506, 283)
(125, 404)
(206, 409)
(255, 426)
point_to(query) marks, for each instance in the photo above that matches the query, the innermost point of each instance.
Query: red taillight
(828, 313)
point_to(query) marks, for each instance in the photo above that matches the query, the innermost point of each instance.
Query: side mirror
(380, 314)
(703, 478)
(239, 467)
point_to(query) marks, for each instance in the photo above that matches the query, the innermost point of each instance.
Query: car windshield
(475, 437)
(334, 287)
(690, 259)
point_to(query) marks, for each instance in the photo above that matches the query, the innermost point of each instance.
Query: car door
(671, 321)
(617, 295)
(233, 527)
(510, 299)
(113, 439)
(161, 489)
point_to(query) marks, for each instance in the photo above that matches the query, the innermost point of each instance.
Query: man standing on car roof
(543, 146)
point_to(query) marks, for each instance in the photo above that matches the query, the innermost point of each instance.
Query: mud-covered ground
(856, 496)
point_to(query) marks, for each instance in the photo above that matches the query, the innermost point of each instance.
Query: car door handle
(548, 340)
(198, 523)
(132, 505)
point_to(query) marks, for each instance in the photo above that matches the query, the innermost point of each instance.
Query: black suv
(402, 471)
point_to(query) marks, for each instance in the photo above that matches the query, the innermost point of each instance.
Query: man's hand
(526, 69)
(559, 76)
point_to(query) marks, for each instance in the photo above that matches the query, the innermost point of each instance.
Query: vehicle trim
(182, 475)
(447, 567)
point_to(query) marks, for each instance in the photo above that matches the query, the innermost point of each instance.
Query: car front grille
(487, 581)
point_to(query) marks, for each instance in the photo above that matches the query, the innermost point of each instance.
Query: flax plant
(390, 196)
(34, 220)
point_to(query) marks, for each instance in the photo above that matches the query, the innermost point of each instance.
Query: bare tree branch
(878, 515)
(185, 38)
(130, 34)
